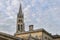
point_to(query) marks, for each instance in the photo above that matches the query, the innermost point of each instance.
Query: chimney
(30, 27)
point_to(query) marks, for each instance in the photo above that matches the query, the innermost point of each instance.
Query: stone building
(21, 34)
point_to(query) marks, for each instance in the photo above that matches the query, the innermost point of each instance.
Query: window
(18, 38)
(45, 37)
(18, 27)
(20, 21)
(21, 27)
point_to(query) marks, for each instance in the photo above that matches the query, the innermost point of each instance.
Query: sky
(40, 13)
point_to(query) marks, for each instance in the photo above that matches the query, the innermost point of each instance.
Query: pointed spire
(20, 11)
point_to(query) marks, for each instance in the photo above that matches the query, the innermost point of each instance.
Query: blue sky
(41, 13)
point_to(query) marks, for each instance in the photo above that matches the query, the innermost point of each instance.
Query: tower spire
(20, 11)
(20, 21)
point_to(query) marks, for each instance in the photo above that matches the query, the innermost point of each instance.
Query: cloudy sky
(41, 13)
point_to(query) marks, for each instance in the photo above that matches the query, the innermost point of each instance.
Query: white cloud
(33, 15)
(27, 8)
(14, 2)
(1, 3)
(27, 11)
(38, 20)
(33, 2)
(42, 1)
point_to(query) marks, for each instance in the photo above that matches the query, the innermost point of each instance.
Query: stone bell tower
(20, 21)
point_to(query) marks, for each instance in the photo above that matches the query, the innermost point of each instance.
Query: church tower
(20, 21)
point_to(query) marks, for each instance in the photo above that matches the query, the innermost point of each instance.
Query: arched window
(18, 27)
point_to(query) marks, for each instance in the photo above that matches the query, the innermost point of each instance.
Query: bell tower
(20, 21)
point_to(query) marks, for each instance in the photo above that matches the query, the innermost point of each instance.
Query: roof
(7, 35)
(37, 30)
(56, 36)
